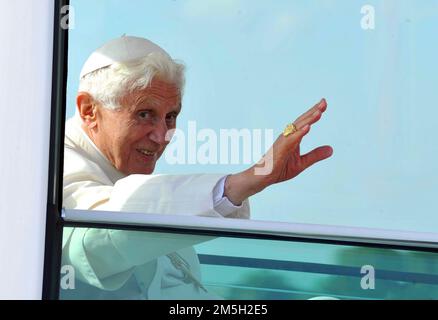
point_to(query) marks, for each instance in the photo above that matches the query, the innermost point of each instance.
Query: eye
(171, 117)
(145, 114)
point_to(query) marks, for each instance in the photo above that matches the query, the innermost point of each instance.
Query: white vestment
(113, 264)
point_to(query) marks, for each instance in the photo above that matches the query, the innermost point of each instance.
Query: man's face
(134, 137)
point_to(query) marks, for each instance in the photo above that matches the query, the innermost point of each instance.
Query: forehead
(158, 93)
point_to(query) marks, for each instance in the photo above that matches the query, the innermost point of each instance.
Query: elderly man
(128, 103)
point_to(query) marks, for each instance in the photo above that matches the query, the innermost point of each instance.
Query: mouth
(147, 153)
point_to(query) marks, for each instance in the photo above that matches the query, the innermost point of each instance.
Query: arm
(106, 258)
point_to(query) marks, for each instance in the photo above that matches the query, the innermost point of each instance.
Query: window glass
(120, 264)
(257, 65)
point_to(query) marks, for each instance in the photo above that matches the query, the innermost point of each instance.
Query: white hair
(111, 84)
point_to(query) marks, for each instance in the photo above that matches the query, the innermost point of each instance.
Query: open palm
(284, 160)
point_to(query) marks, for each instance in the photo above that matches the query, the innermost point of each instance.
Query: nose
(158, 134)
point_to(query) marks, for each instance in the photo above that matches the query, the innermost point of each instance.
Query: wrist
(239, 187)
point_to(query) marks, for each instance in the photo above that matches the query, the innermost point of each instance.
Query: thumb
(316, 155)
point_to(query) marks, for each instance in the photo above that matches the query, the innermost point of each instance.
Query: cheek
(124, 141)
(136, 137)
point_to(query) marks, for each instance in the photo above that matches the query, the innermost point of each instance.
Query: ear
(87, 109)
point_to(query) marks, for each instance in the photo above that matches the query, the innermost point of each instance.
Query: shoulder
(78, 164)
(78, 167)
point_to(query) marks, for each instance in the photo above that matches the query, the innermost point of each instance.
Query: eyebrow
(152, 102)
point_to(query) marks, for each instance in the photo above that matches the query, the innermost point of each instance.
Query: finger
(295, 138)
(320, 106)
(316, 155)
(311, 119)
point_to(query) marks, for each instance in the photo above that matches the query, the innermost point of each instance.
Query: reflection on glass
(255, 65)
(118, 264)
(149, 265)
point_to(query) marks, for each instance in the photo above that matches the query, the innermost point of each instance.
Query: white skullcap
(120, 50)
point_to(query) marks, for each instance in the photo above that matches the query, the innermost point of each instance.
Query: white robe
(113, 264)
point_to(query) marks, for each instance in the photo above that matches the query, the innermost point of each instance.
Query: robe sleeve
(106, 258)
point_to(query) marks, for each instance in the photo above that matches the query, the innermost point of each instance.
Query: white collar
(76, 138)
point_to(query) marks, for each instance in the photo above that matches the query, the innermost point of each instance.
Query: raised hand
(282, 162)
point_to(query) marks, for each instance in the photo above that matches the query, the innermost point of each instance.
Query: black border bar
(54, 222)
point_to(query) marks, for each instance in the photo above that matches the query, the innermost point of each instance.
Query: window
(246, 268)
(252, 67)
(255, 66)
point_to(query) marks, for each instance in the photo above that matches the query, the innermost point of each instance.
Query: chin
(138, 170)
(143, 170)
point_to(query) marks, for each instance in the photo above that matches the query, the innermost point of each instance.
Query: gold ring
(290, 129)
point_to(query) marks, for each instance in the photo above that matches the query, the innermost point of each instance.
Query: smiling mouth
(147, 152)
